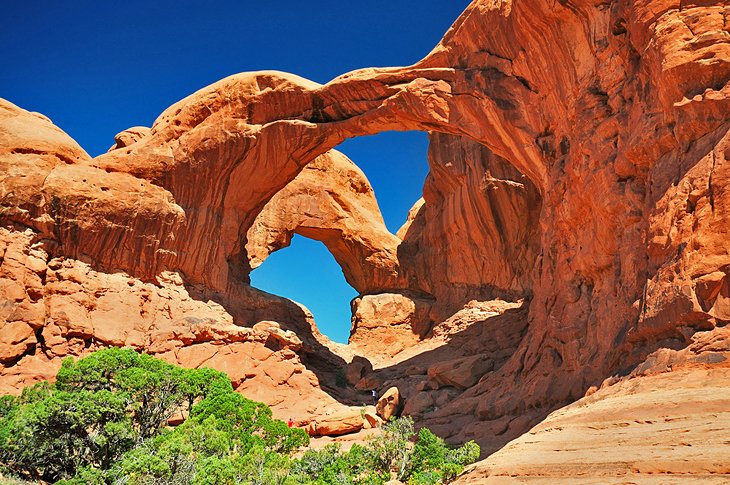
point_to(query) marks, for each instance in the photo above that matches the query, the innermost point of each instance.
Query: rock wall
(664, 423)
(579, 160)
(471, 199)
(56, 307)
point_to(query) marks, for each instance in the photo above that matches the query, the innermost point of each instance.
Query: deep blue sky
(98, 67)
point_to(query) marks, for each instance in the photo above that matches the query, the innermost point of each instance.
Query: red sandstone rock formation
(130, 135)
(665, 423)
(579, 162)
(330, 201)
(471, 199)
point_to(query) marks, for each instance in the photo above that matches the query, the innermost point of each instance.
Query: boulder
(460, 373)
(349, 420)
(389, 404)
(418, 403)
(387, 323)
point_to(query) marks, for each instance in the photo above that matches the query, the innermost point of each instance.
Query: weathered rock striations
(665, 423)
(471, 199)
(579, 165)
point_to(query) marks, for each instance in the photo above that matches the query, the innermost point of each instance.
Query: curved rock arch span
(615, 112)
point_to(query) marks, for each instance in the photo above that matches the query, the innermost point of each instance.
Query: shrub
(390, 452)
(389, 455)
(52, 438)
(154, 388)
(104, 422)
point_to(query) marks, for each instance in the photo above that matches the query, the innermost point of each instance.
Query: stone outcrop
(579, 171)
(459, 373)
(53, 308)
(386, 323)
(481, 338)
(131, 135)
(662, 424)
(343, 421)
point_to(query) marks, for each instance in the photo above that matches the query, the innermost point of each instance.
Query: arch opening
(396, 165)
(332, 202)
(307, 273)
(474, 235)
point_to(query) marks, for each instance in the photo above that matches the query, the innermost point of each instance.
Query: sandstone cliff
(579, 165)
(664, 423)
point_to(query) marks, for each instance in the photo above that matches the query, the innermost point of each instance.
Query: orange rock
(331, 201)
(460, 373)
(388, 404)
(578, 164)
(129, 136)
(419, 403)
(16, 339)
(342, 422)
(387, 323)
(357, 369)
(670, 424)
(371, 418)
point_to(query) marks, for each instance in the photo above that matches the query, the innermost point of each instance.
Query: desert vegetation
(106, 420)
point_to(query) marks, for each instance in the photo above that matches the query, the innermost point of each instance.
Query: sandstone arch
(617, 113)
(227, 132)
(331, 201)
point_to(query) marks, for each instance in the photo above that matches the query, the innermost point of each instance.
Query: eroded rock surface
(659, 425)
(579, 172)
(387, 323)
(53, 308)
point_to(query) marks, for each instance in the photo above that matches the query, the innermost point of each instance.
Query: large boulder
(389, 404)
(387, 323)
(338, 422)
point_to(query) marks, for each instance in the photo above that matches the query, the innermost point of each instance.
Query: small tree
(54, 437)
(154, 388)
(390, 452)
(111, 407)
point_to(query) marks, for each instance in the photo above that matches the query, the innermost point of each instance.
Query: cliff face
(471, 199)
(666, 422)
(579, 162)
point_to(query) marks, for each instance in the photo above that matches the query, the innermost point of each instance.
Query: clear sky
(97, 67)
